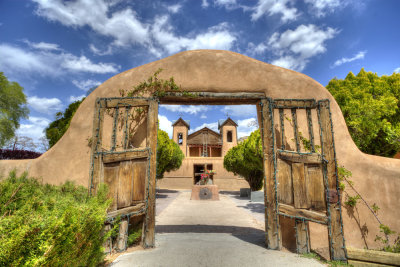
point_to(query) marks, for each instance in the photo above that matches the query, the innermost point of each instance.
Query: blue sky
(57, 50)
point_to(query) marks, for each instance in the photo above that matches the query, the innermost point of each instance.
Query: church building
(204, 150)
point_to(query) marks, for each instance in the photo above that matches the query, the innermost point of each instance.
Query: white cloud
(397, 70)
(275, 7)
(240, 110)
(204, 4)
(253, 49)
(123, 25)
(295, 47)
(165, 124)
(203, 116)
(321, 7)
(246, 127)
(45, 105)
(43, 45)
(174, 8)
(86, 84)
(99, 52)
(228, 4)
(359, 55)
(75, 98)
(191, 109)
(48, 63)
(33, 128)
(216, 37)
(213, 126)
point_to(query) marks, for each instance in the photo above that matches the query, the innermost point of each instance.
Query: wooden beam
(97, 133)
(107, 158)
(295, 103)
(148, 236)
(123, 102)
(273, 232)
(336, 236)
(308, 214)
(127, 210)
(373, 256)
(311, 158)
(210, 98)
(302, 236)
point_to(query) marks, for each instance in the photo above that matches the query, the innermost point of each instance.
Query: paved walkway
(229, 232)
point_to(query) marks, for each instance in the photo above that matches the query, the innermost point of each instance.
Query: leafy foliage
(18, 154)
(46, 225)
(246, 159)
(169, 155)
(12, 108)
(370, 105)
(387, 246)
(57, 128)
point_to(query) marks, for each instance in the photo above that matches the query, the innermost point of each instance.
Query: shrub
(18, 154)
(47, 225)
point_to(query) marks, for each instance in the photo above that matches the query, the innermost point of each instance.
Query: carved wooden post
(97, 133)
(302, 237)
(149, 224)
(335, 224)
(273, 233)
(123, 235)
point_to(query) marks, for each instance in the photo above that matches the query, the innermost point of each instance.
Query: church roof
(223, 122)
(185, 122)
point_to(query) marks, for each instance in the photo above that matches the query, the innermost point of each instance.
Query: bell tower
(228, 131)
(180, 134)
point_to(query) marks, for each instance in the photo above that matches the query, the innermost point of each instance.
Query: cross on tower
(181, 115)
(227, 115)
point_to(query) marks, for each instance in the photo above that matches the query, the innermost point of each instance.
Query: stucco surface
(376, 178)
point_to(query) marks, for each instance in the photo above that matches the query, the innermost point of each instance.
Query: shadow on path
(247, 234)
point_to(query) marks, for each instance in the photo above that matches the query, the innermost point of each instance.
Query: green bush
(47, 225)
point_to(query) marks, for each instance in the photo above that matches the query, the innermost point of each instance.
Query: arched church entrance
(300, 169)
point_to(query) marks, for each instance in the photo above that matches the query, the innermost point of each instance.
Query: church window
(180, 138)
(229, 136)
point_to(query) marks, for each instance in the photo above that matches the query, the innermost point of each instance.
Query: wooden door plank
(273, 232)
(315, 187)
(118, 156)
(313, 215)
(125, 185)
(111, 180)
(292, 103)
(97, 133)
(139, 178)
(302, 237)
(336, 237)
(285, 185)
(299, 186)
(310, 158)
(148, 236)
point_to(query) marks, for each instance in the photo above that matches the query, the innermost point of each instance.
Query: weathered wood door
(301, 181)
(124, 144)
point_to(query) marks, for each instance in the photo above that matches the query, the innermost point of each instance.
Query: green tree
(12, 108)
(57, 128)
(169, 155)
(370, 106)
(246, 159)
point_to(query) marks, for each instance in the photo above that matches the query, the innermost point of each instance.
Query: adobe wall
(376, 178)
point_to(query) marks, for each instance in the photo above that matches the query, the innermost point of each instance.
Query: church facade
(204, 150)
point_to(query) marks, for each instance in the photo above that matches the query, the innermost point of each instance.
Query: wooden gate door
(124, 147)
(301, 180)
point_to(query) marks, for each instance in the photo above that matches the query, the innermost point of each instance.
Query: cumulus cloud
(204, 4)
(397, 70)
(191, 109)
(294, 48)
(125, 28)
(43, 45)
(45, 105)
(240, 110)
(213, 126)
(165, 124)
(216, 37)
(359, 55)
(48, 63)
(75, 98)
(283, 8)
(246, 127)
(321, 7)
(174, 8)
(100, 52)
(33, 127)
(86, 84)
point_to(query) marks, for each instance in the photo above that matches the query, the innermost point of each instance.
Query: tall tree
(57, 128)
(12, 108)
(246, 159)
(371, 108)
